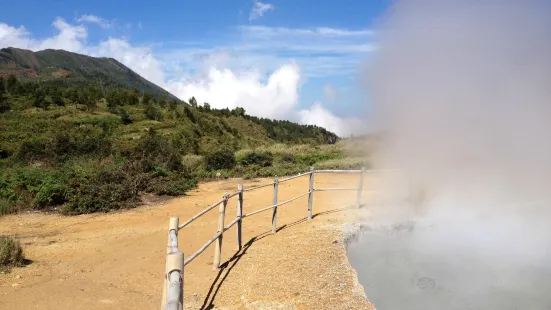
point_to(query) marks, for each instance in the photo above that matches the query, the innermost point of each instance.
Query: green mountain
(70, 69)
(83, 134)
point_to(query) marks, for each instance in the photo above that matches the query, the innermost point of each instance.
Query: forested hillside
(70, 69)
(83, 149)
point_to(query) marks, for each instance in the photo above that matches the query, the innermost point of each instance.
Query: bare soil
(117, 260)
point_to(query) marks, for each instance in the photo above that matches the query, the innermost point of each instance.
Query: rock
(15, 285)
(18, 276)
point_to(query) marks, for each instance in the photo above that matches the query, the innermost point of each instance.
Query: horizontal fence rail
(250, 189)
(198, 215)
(175, 262)
(276, 205)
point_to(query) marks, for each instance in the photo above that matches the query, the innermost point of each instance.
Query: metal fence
(173, 290)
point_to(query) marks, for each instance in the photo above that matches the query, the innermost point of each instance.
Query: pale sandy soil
(116, 261)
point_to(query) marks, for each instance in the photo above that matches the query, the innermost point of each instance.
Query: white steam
(462, 90)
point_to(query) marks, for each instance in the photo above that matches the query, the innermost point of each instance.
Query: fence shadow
(227, 267)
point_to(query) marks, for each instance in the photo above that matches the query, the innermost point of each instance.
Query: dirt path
(116, 261)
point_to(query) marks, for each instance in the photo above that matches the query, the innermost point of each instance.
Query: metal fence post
(274, 214)
(175, 277)
(360, 188)
(311, 193)
(218, 248)
(239, 216)
(172, 225)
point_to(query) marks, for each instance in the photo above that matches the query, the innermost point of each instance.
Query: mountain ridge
(69, 68)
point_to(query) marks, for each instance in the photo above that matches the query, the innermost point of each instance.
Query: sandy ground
(116, 261)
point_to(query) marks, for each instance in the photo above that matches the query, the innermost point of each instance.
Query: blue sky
(287, 59)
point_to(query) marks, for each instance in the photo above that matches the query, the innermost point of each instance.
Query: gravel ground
(116, 261)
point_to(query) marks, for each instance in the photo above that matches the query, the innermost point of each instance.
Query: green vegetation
(11, 253)
(70, 69)
(81, 148)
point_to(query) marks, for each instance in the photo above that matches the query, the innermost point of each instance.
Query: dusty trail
(116, 261)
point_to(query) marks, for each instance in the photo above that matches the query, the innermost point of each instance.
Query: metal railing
(174, 273)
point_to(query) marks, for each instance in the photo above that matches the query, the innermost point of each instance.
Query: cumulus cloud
(259, 9)
(275, 98)
(69, 38)
(271, 93)
(330, 92)
(11, 36)
(318, 115)
(138, 58)
(103, 23)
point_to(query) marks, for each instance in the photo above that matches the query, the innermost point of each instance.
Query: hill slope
(70, 69)
(91, 148)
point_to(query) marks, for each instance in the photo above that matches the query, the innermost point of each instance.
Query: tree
(163, 100)
(125, 117)
(133, 98)
(206, 106)
(238, 111)
(55, 95)
(146, 99)
(72, 94)
(85, 98)
(2, 86)
(57, 100)
(40, 99)
(12, 84)
(152, 113)
(172, 105)
(113, 99)
(5, 105)
(193, 102)
(218, 160)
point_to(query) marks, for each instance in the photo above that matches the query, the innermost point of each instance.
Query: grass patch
(11, 253)
(343, 163)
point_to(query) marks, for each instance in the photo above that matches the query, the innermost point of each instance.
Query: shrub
(6, 207)
(125, 117)
(155, 151)
(52, 191)
(193, 163)
(262, 159)
(5, 105)
(152, 113)
(11, 253)
(171, 185)
(189, 114)
(110, 189)
(32, 149)
(240, 155)
(34, 186)
(312, 158)
(218, 160)
(344, 163)
(287, 158)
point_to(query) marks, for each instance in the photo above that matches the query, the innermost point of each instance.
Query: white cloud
(11, 36)
(293, 32)
(318, 115)
(103, 23)
(69, 38)
(274, 98)
(343, 32)
(267, 91)
(330, 92)
(138, 58)
(259, 9)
